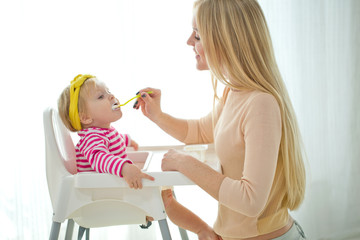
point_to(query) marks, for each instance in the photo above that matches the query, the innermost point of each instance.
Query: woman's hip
(294, 233)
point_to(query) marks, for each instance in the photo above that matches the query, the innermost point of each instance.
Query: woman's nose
(190, 41)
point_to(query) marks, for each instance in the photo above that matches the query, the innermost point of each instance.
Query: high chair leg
(183, 234)
(164, 228)
(81, 233)
(55, 229)
(69, 229)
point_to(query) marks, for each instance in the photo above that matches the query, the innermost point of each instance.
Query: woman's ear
(85, 119)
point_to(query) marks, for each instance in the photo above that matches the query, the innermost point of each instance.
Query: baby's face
(99, 106)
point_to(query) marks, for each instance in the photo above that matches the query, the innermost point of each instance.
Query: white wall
(135, 44)
(317, 49)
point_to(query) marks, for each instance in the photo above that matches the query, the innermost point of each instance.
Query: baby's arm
(95, 148)
(133, 175)
(129, 142)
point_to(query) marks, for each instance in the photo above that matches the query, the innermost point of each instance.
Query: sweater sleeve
(95, 148)
(201, 130)
(261, 127)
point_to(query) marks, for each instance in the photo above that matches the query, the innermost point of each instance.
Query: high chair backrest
(60, 151)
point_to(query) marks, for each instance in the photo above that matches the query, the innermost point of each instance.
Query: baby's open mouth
(115, 105)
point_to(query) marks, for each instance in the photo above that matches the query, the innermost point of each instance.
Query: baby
(87, 107)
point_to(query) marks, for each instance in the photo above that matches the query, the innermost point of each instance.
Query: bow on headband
(75, 85)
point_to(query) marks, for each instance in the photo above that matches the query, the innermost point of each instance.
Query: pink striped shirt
(102, 150)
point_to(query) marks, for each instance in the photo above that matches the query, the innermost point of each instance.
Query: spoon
(120, 105)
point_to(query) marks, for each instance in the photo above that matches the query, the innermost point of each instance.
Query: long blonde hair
(239, 53)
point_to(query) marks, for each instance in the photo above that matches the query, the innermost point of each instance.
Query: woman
(253, 126)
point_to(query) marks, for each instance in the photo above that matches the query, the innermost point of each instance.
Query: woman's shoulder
(254, 100)
(259, 96)
(253, 96)
(263, 103)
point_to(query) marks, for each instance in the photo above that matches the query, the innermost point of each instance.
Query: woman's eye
(197, 38)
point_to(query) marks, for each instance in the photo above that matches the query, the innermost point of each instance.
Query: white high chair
(96, 199)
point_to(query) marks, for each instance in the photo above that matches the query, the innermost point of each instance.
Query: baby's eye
(101, 97)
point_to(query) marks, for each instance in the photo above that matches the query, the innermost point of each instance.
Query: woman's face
(194, 40)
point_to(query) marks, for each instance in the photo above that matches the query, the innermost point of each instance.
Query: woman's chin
(201, 67)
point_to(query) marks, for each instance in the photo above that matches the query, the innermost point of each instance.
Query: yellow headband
(75, 85)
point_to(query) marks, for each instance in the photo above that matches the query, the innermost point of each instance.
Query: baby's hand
(134, 145)
(133, 175)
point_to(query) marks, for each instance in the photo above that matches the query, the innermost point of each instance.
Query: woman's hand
(149, 103)
(208, 234)
(150, 106)
(173, 159)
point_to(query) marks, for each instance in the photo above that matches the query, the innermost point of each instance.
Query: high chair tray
(140, 158)
(149, 158)
(105, 180)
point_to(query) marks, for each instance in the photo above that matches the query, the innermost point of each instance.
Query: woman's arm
(201, 174)
(186, 131)
(175, 127)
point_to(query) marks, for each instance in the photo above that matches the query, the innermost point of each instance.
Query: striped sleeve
(126, 138)
(95, 147)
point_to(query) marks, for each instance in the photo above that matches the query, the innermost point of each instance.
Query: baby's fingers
(131, 184)
(139, 184)
(151, 178)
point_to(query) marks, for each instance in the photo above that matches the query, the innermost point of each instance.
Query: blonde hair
(239, 53)
(64, 102)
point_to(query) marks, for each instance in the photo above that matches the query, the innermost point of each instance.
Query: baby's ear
(85, 119)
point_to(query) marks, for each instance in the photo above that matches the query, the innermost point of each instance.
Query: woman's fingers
(149, 103)
(135, 104)
(155, 92)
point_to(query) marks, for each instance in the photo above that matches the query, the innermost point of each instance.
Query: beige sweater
(246, 137)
